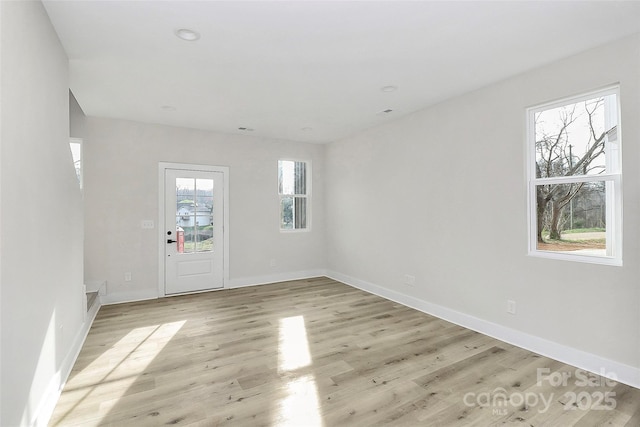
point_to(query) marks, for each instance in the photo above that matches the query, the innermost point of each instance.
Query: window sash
(612, 121)
(576, 179)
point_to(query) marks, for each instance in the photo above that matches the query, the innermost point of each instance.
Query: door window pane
(194, 214)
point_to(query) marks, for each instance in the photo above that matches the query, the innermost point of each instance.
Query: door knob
(171, 241)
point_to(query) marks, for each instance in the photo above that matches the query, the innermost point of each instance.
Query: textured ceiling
(307, 70)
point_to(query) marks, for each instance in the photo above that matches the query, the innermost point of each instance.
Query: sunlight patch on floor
(293, 347)
(300, 406)
(118, 368)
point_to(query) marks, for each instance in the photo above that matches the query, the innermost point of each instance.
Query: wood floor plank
(314, 353)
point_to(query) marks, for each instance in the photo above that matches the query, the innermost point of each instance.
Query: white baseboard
(45, 409)
(617, 371)
(152, 293)
(129, 296)
(273, 278)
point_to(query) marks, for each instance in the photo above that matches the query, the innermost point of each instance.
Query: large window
(575, 198)
(293, 189)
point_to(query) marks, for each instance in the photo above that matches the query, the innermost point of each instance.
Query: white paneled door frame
(163, 169)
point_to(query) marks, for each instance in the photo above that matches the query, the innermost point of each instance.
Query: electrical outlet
(511, 307)
(272, 263)
(147, 223)
(409, 280)
(127, 276)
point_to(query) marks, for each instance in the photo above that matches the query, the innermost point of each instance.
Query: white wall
(77, 119)
(42, 310)
(121, 189)
(441, 195)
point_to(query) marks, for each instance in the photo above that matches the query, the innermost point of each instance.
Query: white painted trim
(129, 296)
(143, 295)
(45, 409)
(612, 89)
(576, 257)
(274, 278)
(623, 373)
(162, 166)
(577, 179)
(84, 303)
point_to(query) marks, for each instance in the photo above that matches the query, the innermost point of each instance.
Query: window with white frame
(574, 167)
(75, 144)
(293, 189)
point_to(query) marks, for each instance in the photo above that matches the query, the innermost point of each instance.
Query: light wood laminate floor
(318, 353)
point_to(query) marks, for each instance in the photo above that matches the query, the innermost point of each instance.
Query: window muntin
(575, 179)
(293, 192)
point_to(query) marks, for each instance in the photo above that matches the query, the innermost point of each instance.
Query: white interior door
(193, 230)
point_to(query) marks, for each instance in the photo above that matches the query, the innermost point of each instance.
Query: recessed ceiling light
(168, 108)
(187, 34)
(389, 88)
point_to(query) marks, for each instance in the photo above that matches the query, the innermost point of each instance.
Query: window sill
(584, 257)
(296, 230)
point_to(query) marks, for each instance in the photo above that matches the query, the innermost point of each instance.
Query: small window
(75, 144)
(293, 189)
(575, 199)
